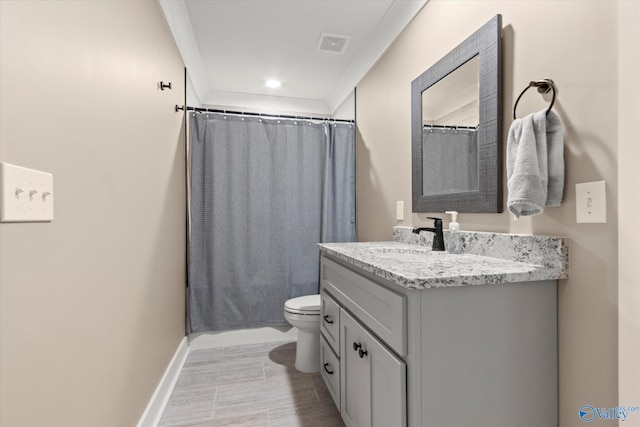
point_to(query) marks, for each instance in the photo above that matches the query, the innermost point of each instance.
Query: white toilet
(304, 314)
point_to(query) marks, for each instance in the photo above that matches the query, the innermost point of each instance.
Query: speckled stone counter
(488, 258)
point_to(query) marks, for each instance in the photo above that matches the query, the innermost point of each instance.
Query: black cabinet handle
(326, 319)
(361, 351)
(326, 369)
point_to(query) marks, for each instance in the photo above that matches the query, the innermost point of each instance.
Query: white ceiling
(231, 47)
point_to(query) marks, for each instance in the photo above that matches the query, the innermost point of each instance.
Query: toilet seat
(306, 305)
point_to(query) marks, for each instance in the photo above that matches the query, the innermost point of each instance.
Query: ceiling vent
(333, 43)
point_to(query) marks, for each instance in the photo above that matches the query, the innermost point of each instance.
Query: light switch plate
(26, 195)
(591, 202)
(400, 210)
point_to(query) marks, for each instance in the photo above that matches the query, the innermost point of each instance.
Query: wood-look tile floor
(249, 385)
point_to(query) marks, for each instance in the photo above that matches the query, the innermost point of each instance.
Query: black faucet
(438, 239)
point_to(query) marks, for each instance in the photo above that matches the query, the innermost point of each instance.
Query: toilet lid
(308, 304)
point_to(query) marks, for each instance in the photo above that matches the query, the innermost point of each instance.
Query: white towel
(535, 163)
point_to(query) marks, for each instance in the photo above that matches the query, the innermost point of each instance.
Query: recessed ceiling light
(273, 84)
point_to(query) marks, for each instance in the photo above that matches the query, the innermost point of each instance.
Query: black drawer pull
(356, 347)
(326, 319)
(362, 353)
(326, 369)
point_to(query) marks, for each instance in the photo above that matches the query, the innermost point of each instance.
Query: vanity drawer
(380, 309)
(330, 321)
(330, 370)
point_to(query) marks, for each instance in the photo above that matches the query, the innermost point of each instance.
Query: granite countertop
(415, 266)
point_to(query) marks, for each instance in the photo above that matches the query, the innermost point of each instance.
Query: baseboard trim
(155, 408)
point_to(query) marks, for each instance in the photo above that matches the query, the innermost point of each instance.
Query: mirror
(456, 119)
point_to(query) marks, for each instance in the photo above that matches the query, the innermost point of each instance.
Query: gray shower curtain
(263, 194)
(458, 150)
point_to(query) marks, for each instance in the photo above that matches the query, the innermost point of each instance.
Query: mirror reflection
(450, 120)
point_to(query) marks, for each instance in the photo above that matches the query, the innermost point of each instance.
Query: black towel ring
(544, 86)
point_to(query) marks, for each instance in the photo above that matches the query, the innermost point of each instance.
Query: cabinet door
(373, 380)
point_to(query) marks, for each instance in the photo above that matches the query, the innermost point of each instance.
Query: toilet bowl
(303, 313)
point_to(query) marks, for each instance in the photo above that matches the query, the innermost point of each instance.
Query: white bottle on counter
(454, 245)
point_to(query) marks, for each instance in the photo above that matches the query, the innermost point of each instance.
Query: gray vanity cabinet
(481, 355)
(371, 378)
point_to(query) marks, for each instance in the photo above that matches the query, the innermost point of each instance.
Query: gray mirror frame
(486, 43)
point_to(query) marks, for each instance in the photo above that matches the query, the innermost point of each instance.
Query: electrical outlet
(591, 202)
(400, 210)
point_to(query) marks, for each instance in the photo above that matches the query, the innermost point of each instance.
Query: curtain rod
(275, 116)
(449, 127)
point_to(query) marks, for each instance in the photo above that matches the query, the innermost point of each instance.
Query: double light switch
(26, 195)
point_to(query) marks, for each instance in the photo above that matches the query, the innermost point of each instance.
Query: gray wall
(91, 304)
(581, 58)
